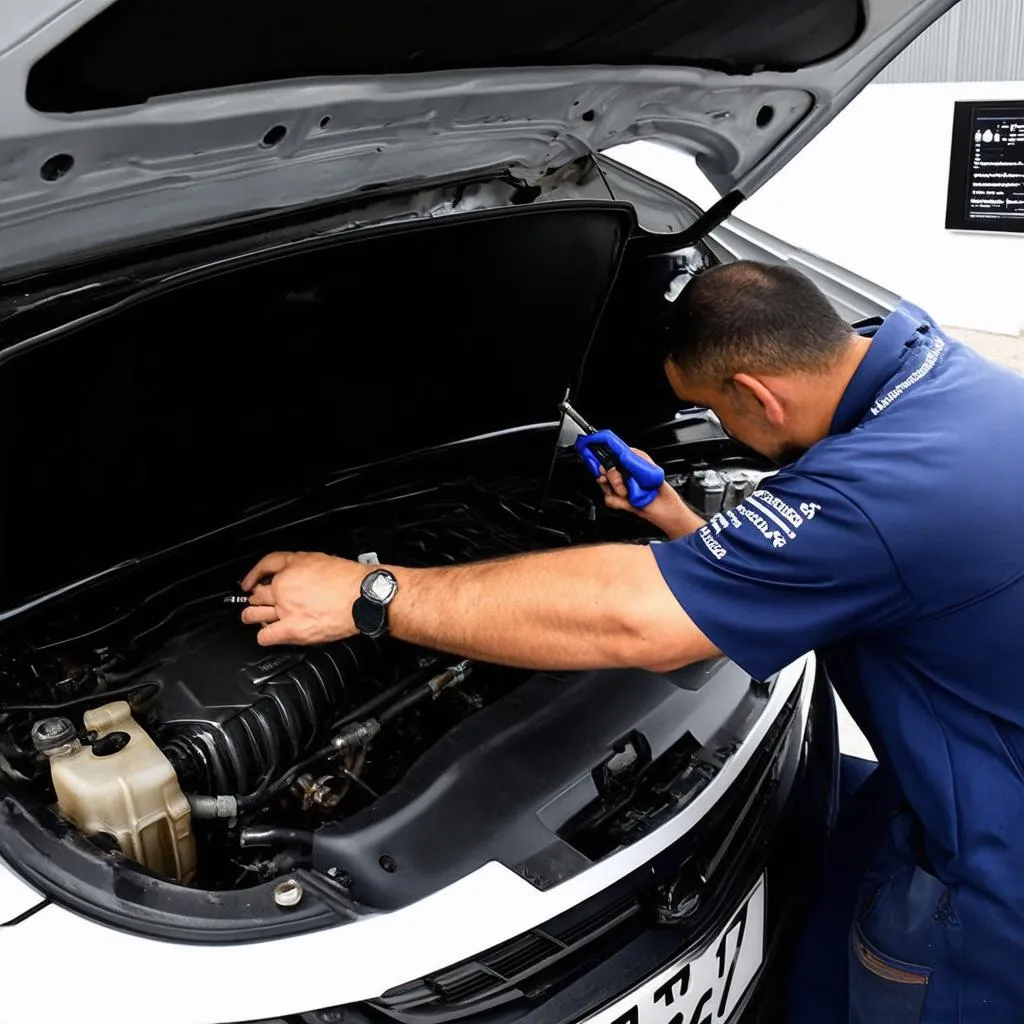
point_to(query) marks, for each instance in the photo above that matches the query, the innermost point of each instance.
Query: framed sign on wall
(986, 167)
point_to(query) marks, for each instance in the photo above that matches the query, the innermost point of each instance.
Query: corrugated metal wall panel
(977, 41)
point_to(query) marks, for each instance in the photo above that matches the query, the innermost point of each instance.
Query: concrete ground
(1000, 348)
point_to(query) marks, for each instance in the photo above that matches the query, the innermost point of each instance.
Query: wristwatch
(370, 611)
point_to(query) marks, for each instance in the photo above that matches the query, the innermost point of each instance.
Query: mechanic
(890, 541)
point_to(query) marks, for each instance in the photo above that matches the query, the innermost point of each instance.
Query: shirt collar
(889, 340)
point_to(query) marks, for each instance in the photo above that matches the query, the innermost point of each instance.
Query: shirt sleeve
(795, 567)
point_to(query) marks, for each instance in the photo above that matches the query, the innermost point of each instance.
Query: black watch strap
(370, 619)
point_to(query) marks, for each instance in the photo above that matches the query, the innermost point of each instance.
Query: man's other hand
(299, 597)
(668, 512)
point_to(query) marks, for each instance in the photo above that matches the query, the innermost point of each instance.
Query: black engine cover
(228, 710)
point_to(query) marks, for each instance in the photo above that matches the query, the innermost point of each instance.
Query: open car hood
(144, 120)
(139, 119)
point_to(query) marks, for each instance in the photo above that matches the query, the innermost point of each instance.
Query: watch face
(379, 587)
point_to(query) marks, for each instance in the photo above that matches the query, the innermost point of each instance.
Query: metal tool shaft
(576, 418)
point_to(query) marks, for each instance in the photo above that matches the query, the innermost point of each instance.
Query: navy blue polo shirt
(895, 548)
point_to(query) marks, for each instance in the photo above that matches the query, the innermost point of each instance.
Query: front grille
(538, 962)
(523, 967)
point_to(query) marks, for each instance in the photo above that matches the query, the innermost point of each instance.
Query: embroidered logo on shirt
(711, 544)
(768, 498)
(923, 370)
(718, 522)
(775, 519)
(787, 512)
(762, 525)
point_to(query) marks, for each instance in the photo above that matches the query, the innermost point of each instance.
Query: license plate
(702, 989)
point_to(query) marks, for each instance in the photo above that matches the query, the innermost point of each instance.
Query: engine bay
(160, 769)
(169, 737)
(264, 744)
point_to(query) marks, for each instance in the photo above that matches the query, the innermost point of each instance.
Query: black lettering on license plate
(738, 927)
(667, 993)
(631, 1016)
(673, 989)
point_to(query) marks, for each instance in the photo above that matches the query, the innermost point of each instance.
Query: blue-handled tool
(602, 450)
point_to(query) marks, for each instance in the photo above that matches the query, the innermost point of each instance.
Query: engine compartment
(268, 747)
(267, 744)
(161, 771)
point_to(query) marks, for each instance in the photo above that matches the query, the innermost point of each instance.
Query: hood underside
(222, 401)
(132, 51)
(139, 119)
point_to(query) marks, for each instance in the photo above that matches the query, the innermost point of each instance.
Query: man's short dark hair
(754, 318)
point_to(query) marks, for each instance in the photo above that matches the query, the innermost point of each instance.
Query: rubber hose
(428, 691)
(383, 698)
(265, 794)
(403, 704)
(93, 698)
(257, 835)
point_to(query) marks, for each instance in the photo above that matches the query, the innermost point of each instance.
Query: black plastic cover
(685, 890)
(230, 711)
(137, 49)
(513, 783)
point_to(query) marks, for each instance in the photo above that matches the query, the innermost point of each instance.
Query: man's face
(742, 416)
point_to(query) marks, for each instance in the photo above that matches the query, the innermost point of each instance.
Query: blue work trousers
(883, 942)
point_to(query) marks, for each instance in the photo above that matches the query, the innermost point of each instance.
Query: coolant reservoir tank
(122, 785)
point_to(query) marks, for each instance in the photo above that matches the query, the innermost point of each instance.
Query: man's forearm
(668, 512)
(595, 607)
(685, 522)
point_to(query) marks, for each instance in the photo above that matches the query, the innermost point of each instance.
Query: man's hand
(668, 512)
(307, 598)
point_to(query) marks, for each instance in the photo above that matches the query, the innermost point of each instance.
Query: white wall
(870, 194)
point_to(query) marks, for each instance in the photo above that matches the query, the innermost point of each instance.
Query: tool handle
(604, 450)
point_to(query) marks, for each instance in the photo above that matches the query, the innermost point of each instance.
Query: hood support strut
(659, 245)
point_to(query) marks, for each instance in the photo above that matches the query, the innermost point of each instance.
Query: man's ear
(753, 389)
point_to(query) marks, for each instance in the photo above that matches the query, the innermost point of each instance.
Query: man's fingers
(266, 566)
(613, 487)
(612, 500)
(275, 633)
(616, 483)
(259, 615)
(262, 593)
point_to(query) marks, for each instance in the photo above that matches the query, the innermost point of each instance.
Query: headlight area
(579, 961)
